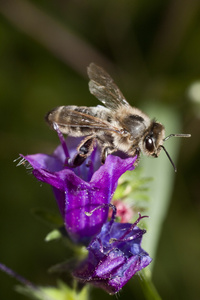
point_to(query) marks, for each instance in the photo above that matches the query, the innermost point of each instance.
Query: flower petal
(44, 161)
(80, 190)
(83, 197)
(112, 259)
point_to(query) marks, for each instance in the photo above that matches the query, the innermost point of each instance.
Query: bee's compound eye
(149, 144)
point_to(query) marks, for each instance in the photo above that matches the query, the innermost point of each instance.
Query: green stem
(148, 287)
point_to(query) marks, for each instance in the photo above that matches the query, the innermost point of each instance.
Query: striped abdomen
(79, 120)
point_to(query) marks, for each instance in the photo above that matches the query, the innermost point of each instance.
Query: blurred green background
(152, 50)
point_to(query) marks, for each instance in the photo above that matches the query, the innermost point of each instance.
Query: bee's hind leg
(84, 149)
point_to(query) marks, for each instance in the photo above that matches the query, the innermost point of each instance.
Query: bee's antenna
(169, 136)
(177, 135)
(175, 169)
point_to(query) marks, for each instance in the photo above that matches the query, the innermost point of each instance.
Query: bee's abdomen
(73, 120)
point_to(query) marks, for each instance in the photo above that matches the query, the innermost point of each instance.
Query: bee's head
(153, 141)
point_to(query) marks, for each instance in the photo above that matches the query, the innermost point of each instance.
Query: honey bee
(116, 126)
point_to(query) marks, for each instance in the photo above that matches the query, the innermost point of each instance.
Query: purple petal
(44, 161)
(76, 196)
(112, 262)
(83, 197)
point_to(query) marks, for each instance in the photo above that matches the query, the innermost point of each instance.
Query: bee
(116, 126)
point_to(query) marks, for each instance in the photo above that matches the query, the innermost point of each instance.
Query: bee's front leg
(84, 149)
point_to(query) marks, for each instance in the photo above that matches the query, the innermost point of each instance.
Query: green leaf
(61, 292)
(163, 173)
(53, 235)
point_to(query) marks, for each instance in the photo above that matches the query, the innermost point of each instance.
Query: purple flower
(82, 189)
(115, 255)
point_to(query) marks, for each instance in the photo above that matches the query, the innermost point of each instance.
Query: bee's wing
(102, 86)
(66, 118)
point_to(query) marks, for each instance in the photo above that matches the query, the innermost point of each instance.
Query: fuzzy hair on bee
(116, 126)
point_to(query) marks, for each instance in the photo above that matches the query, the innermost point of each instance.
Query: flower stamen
(134, 225)
(137, 235)
(102, 206)
(62, 140)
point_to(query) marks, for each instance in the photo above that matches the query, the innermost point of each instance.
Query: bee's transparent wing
(102, 86)
(66, 118)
